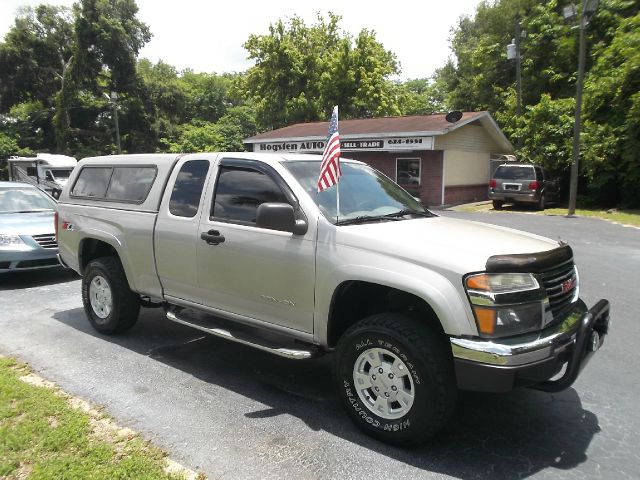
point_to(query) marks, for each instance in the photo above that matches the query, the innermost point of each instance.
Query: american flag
(330, 170)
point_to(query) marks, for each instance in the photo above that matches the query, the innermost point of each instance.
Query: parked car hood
(32, 223)
(459, 246)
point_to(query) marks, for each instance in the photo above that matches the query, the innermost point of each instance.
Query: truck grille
(46, 241)
(560, 283)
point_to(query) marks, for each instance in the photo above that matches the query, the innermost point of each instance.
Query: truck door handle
(212, 237)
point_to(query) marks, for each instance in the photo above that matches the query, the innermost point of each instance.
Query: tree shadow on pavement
(36, 278)
(504, 436)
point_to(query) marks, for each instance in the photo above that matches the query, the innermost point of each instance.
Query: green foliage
(612, 111)
(302, 71)
(224, 136)
(422, 96)
(108, 35)
(545, 132)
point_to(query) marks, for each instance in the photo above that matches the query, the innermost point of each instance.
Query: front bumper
(533, 360)
(13, 261)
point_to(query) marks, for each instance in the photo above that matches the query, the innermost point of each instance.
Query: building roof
(425, 125)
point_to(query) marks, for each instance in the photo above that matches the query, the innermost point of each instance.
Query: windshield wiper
(364, 219)
(408, 211)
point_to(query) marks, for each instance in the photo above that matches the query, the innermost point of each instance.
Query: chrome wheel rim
(383, 383)
(100, 296)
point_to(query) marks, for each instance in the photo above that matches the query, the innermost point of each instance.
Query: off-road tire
(431, 373)
(125, 304)
(497, 204)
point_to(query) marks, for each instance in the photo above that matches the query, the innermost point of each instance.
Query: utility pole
(113, 100)
(518, 69)
(588, 8)
(513, 53)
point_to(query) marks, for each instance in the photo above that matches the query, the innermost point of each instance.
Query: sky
(207, 35)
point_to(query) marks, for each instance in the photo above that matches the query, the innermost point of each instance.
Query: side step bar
(245, 337)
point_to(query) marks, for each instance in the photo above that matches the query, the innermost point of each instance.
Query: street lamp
(113, 100)
(569, 13)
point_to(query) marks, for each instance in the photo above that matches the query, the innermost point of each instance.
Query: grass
(625, 217)
(44, 436)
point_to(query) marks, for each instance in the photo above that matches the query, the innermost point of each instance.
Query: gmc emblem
(568, 285)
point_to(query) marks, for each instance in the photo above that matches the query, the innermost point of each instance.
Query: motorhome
(47, 171)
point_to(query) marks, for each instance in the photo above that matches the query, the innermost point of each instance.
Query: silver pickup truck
(413, 306)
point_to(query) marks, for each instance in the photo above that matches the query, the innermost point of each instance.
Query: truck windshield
(365, 194)
(24, 200)
(60, 173)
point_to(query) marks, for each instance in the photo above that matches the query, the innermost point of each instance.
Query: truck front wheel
(109, 303)
(395, 378)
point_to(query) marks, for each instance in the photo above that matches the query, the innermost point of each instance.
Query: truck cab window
(92, 182)
(185, 197)
(131, 184)
(239, 193)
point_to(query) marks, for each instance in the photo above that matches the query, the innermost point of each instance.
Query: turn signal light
(493, 184)
(485, 319)
(534, 185)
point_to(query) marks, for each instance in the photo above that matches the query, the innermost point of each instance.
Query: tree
(301, 71)
(612, 117)
(35, 64)
(66, 59)
(109, 37)
(422, 96)
(224, 136)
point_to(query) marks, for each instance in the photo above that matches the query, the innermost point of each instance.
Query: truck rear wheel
(395, 378)
(109, 303)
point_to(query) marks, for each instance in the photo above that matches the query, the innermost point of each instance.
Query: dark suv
(522, 183)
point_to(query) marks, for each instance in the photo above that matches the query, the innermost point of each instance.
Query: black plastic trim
(537, 262)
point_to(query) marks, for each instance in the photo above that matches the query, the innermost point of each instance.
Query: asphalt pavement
(235, 412)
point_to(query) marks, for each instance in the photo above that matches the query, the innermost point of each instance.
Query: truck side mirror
(280, 216)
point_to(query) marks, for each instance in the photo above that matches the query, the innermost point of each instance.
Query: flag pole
(337, 178)
(338, 201)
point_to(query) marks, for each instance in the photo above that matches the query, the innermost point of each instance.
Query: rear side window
(119, 184)
(239, 193)
(185, 197)
(515, 173)
(131, 184)
(92, 182)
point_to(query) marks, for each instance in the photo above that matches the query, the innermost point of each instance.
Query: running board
(206, 324)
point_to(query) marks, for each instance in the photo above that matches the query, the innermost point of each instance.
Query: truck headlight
(12, 242)
(506, 304)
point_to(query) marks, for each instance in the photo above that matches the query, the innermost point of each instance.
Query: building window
(408, 171)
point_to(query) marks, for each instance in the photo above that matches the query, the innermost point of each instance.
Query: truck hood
(449, 244)
(33, 223)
